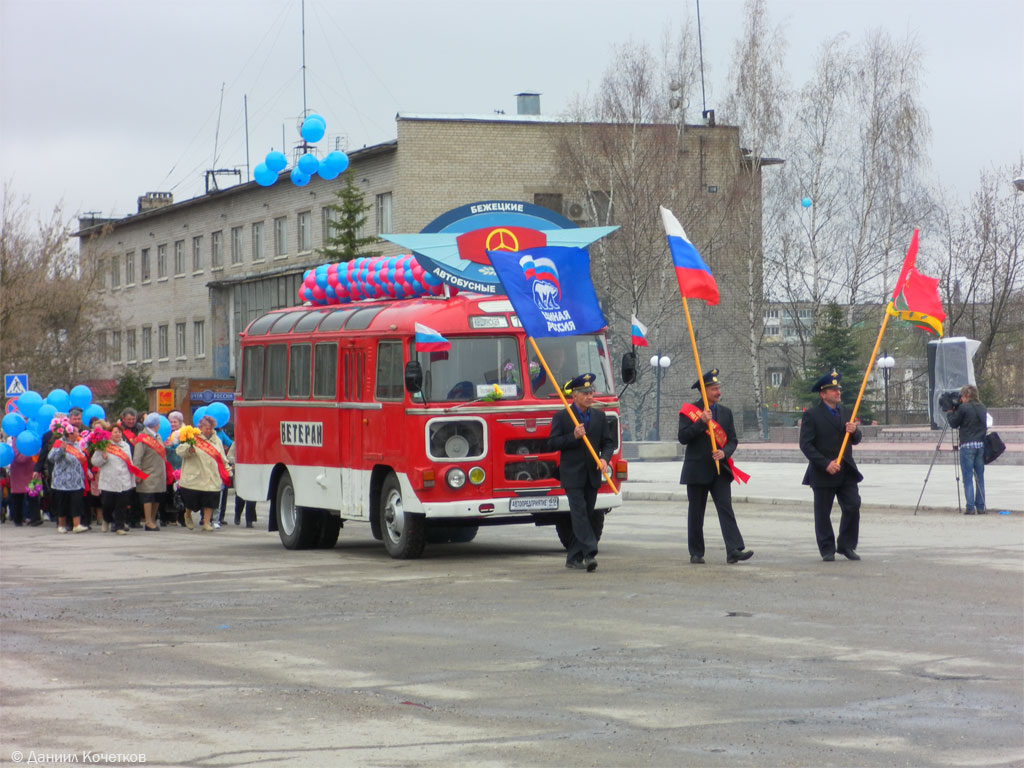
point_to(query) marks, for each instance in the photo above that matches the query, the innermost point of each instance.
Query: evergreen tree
(344, 242)
(835, 346)
(131, 392)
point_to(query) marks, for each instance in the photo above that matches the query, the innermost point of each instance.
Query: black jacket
(698, 466)
(972, 419)
(576, 467)
(820, 440)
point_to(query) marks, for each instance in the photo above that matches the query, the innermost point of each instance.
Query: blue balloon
(198, 414)
(33, 426)
(806, 202)
(299, 179)
(59, 399)
(308, 164)
(164, 428)
(313, 130)
(45, 415)
(28, 443)
(13, 424)
(276, 161)
(81, 396)
(6, 454)
(333, 164)
(317, 116)
(220, 412)
(94, 411)
(29, 403)
(263, 175)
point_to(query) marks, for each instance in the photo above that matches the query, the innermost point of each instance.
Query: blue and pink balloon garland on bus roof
(333, 164)
(377, 277)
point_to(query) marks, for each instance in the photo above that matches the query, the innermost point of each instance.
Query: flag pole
(700, 380)
(561, 396)
(864, 383)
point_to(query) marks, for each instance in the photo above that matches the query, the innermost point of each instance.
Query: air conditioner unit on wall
(575, 211)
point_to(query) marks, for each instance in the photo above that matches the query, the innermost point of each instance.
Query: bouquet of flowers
(96, 440)
(188, 434)
(34, 487)
(62, 428)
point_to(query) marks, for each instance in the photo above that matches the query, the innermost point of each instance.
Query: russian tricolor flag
(695, 279)
(639, 333)
(429, 340)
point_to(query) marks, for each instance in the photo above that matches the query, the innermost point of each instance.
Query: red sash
(82, 458)
(130, 436)
(155, 444)
(207, 447)
(116, 451)
(693, 413)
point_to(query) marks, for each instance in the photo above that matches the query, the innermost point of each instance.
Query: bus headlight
(455, 478)
(477, 475)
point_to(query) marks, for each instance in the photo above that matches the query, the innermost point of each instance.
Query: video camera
(949, 401)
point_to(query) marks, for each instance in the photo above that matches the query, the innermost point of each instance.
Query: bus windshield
(471, 368)
(567, 357)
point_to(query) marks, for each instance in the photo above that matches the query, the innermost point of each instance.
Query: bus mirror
(629, 368)
(413, 377)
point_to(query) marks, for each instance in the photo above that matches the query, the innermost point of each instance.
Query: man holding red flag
(699, 473)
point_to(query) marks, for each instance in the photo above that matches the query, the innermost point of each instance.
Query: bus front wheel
(404, 533)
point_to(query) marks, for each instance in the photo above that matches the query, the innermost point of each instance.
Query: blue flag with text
(550, 289)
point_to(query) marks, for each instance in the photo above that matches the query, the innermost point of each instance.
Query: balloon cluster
(308, 165)
(379, 277)
(31, 417)
(218, 411)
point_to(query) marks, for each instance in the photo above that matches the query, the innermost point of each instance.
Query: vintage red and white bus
(339, 418)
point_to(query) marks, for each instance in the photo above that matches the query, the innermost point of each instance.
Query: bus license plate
(535, 504)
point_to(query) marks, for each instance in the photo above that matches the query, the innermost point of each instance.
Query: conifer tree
(344, 242)
(835, 346)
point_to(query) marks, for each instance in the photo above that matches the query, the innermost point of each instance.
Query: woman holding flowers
(151, 457)
(113, 457)
(68, 482)
(203, 470)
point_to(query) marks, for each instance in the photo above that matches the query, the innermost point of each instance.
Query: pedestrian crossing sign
(15, 384)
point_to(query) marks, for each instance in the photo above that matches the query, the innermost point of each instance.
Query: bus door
(382, 427)
(355, 482)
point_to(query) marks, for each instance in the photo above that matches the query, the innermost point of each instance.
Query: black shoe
(849, 554)
(147, 528)
(982, 511)
(697, 559)
(828, 558)
(590, 564)
(36, 523)
(248, 525)
(577, 564)
(238, 521)
(739, 554)
(969, 512)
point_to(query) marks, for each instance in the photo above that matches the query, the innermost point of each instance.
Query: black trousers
(849, 524)
(115, 508)
(721, 494)
(581, 506)
(250, 510)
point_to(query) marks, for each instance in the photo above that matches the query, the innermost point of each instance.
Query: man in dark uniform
(577, 469)
(821, 436)
(700, 476)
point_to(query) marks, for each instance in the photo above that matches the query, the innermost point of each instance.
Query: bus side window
(390, 382)
(325, 371)
(298, 371)
(275, 371)
(252, 373)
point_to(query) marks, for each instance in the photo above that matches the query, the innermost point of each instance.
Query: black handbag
(994, 447)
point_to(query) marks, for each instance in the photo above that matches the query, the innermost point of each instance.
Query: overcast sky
(104, 100)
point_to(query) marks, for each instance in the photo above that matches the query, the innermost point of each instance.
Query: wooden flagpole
(863, 384)
(700, 380)
(561, 396)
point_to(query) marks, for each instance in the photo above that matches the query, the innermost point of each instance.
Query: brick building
(186, 277)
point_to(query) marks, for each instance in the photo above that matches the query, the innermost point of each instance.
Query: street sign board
(15, 384)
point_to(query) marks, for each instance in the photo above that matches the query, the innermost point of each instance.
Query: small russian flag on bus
(639, 333)
(429, 340)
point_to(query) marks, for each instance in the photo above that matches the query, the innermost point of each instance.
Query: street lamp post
(885, 364)
(658, 362)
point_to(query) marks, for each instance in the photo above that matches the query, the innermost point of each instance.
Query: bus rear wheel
(404, 533)
(298, 528)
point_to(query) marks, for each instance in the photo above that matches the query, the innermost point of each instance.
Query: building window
(199, 338)
(804, 314)
(115, 273)
(161, 342)
(197, 253)
(147, 344)
(550, 200)
(236, 245)
(130, 346)
(327, 215)
(305, 222)
(280, 237)
(129, 268)
(257, 241)
(179, 257)
(776, 378)
(771, 314)
(217, 250)
(772, 330)
(144, 265)
(101, 273)
(179, 341)
(384, 214)
(115, 346)
(161, 261)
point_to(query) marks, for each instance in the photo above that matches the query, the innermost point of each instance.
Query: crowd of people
(115, 476)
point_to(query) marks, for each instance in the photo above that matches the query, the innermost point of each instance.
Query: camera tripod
(956, 467)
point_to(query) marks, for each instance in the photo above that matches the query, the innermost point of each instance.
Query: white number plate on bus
(535, 504)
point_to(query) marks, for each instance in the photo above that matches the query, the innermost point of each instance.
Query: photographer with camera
(971, 417)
